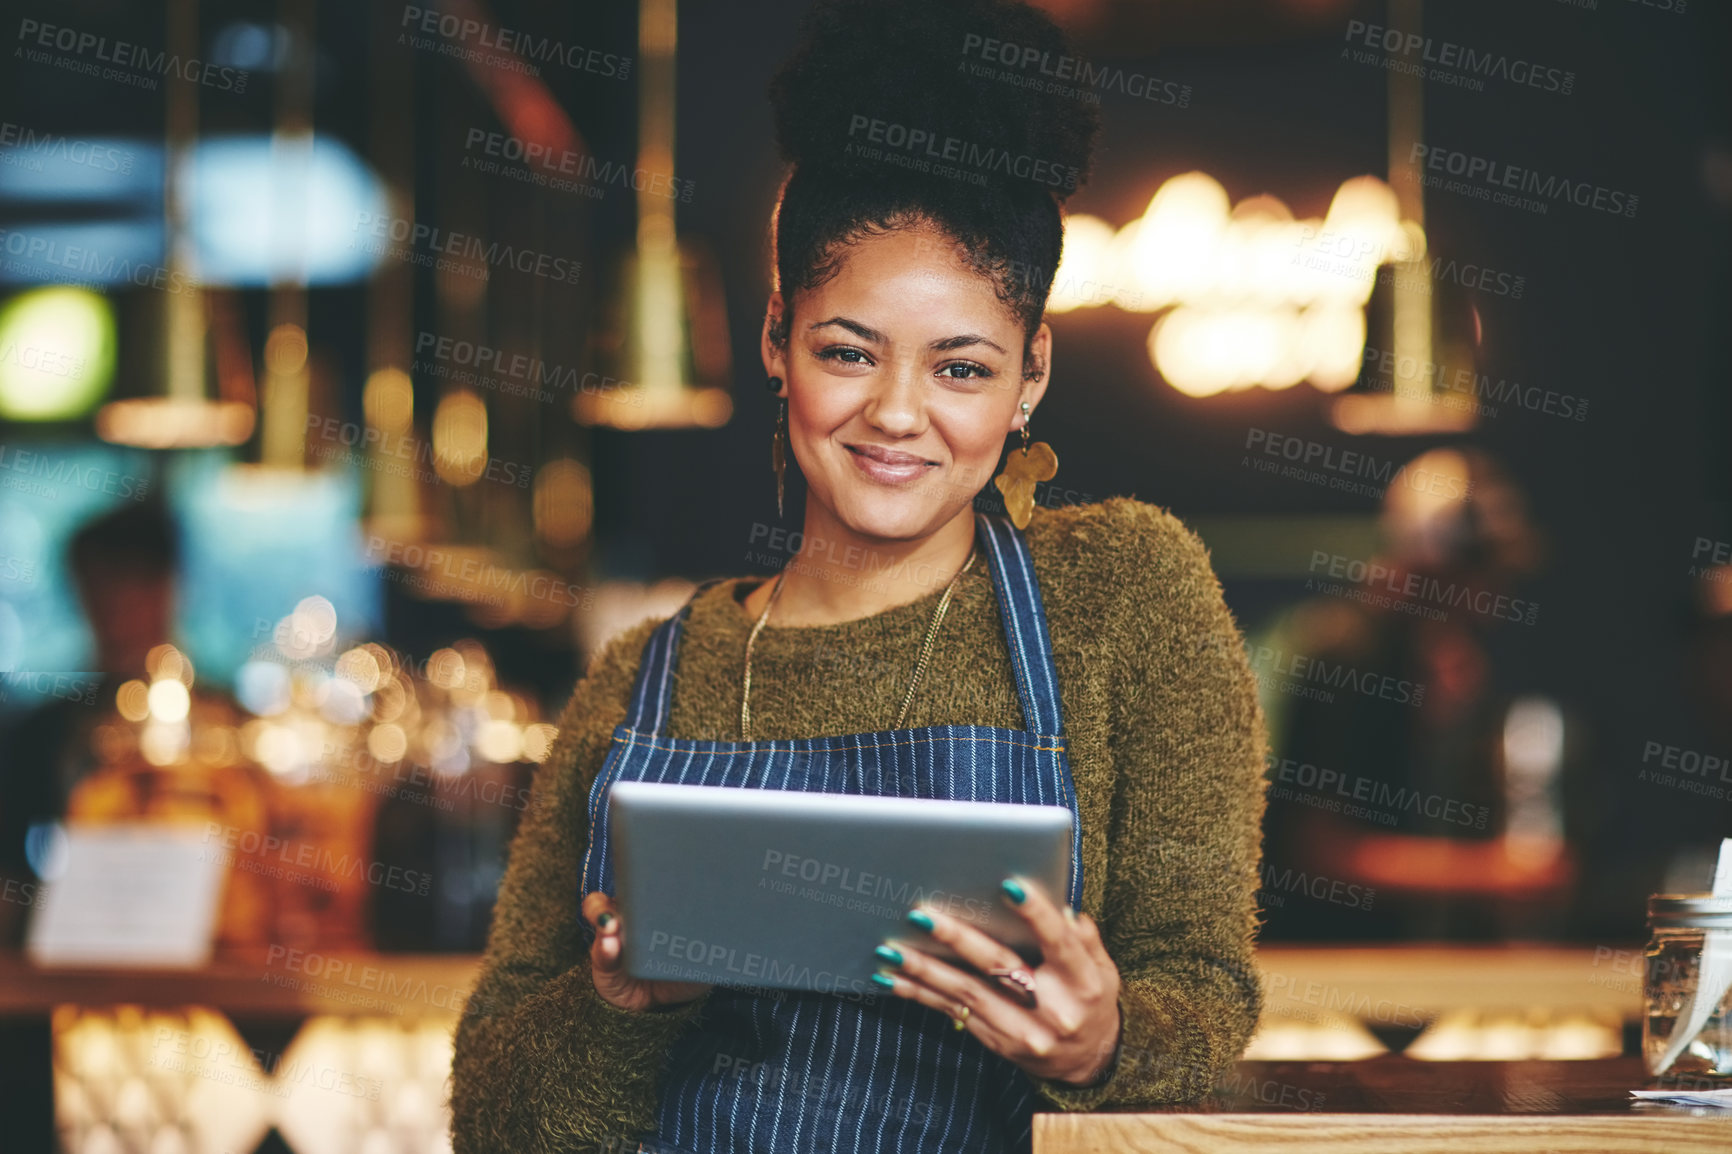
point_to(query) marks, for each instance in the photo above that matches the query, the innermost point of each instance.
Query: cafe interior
(365, 368)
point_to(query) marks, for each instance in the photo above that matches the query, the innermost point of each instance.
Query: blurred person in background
(123, 564)
(1412, 765)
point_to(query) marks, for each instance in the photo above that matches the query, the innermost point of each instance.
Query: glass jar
(1680, 926)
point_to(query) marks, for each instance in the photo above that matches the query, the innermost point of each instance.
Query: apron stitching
(646, 741)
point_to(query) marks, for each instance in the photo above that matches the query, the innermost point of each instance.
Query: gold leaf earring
(1022, 469)
(779, 442)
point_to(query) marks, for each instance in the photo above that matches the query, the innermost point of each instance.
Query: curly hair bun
(923, 85)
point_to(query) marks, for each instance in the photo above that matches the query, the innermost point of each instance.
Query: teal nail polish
(886, 954)
(1014, 890)
(604, 921)
(920, 919)
(885, 980)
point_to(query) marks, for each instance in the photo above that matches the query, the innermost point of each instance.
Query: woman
(1087, 659)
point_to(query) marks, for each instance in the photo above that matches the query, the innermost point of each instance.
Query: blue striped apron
(786, 1071)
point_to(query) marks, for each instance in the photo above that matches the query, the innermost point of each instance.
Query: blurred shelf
(1369, 982)
(285, 985)
(1427, 980)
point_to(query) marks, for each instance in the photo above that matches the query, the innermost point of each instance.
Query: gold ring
(960, 1018)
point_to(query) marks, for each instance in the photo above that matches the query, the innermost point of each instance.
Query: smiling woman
(1062, 657)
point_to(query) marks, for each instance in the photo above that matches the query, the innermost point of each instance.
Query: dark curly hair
(890, 116)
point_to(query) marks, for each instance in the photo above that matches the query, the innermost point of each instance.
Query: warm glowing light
(1469, 1035)
(538, 740)
(132, 701)
(1330, 1038)
(163, 744)
(57, 348)
(460, 438)
(215, 745)
(168, 701)
(286, 350)
(317, 618)
(1169, 252)
(445, 669)
(1425, 509)
(360, 666)
(390, 700)
(388, 743)
(1084, 275)
(1204, 352)
(165, 661)
(1256, 298)
(499, 741)
(174, 422)
(389, 400)
(278, 749)
(564, 502)
(637, 407)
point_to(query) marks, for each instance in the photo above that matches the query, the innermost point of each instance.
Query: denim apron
(779, 1071)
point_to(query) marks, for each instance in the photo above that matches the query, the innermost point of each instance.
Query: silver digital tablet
(790, 890)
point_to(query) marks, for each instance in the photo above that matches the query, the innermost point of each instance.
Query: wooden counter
(1396, 1105)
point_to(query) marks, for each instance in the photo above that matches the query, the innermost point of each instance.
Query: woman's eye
(847, 354)
(965, 370)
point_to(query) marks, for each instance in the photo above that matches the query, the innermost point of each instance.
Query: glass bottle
(1681, 927)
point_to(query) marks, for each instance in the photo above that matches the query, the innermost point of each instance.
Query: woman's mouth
(887, 466)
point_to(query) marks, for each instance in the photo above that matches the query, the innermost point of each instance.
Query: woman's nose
(896, 405)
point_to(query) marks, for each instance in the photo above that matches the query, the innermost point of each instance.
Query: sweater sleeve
(1179, 913)
(542, 1062)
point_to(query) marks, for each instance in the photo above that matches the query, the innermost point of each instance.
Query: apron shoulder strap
(1025, 631)
(652, 695)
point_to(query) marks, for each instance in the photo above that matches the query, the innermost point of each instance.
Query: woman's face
(903, 376)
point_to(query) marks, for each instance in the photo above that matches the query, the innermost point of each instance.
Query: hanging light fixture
(184, 415)
(666, 340)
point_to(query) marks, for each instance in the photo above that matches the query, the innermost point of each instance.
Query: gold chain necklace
(919, 666)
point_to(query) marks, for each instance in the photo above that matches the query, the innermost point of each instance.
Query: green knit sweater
(1166, 746)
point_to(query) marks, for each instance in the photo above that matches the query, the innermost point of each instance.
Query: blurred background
(363, 368)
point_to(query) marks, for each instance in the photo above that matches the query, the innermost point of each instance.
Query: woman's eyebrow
(949, 344)
(943, 345)
(864, 332)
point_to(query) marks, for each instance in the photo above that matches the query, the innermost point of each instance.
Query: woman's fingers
(982, 1021)
(607, 954)
(1057, 935)
(970, 943)
(607, 963)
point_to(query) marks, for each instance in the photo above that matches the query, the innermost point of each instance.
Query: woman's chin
(873, 511)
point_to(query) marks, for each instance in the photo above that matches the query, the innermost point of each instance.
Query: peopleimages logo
(1485, 179)
(53, 469)
(36, 251)
(414, 235)
(133, 63)
(1346, 469)
(928, 148)
(1456, 63)
(1468, 383)
(1389, 799)
(1404, 583)
(1069, 75)
(510, 42)
(544, 165)
(28, 145)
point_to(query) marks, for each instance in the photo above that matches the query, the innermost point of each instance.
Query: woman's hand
(1067, 1035)
(607, 964)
